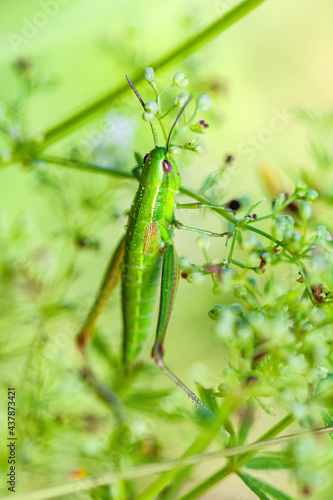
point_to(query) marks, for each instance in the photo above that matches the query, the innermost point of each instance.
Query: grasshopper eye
(167, 167)
(146, 158)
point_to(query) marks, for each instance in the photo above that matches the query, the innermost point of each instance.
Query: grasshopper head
(160, 168)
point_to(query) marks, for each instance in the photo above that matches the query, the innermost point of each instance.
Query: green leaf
(246, 422)
(323, 395)
(268, 409)
(249, 481)
(208, 398)
(327, 420)
(262, 489)
(197, 129)
(274, 461)
(138, 159)
(145, 400)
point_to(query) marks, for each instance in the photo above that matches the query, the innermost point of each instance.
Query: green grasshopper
(145, 252)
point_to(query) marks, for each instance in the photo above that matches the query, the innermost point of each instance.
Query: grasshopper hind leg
(109, 283)
(159, 361)
(169, 284)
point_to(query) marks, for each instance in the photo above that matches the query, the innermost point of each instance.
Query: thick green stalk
(87, 167)
(179, 53)
(221, 474)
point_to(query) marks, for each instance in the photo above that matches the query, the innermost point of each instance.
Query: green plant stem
(275, 214)
(87, 167)
(263, 233)
(80, 165)
(242, 265)
(165, 135)
(302, 272)
(200, 444)
(108, 478)
(179, 53)
(232, 246)
(221, 474)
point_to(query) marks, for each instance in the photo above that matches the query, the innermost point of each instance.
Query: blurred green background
(276, 60)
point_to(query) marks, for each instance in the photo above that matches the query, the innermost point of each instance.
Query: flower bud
(179, 101)
(283, 224)
(178, 77)
(305, 209)
(322, 231)
(148, 117)
(240, 292)
(301, 184)
(198, 149)
(149, 74)
(216, 313)
(183, 83)
(151, 107)
(279, 200)
(301, 188)
(311, 195)
(203, 102)
(236, 310)
(195, 277)
(175, 150)
(185, 95)
(199, 127)
(293, 240)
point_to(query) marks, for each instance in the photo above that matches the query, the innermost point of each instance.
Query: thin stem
(232, 246)
(186, 126)
(169, 111)
(108, 478)
(80, 165)
(262, 233)
(162, 127)
(302, 272)
(221, 474)
(157, 95)
(274, 214)
(168, 88)
(200, 444)
(176, 121)
(194, 43)
(242, 265)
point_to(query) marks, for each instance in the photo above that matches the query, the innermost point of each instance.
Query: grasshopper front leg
(169, 285)
(111, 279)
(179, 225)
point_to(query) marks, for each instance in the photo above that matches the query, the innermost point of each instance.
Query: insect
(146, 260)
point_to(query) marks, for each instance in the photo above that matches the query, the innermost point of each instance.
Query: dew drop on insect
(145, 158)
(167, 167)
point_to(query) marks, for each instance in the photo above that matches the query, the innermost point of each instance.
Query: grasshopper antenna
(176, 120)
(131, 84)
